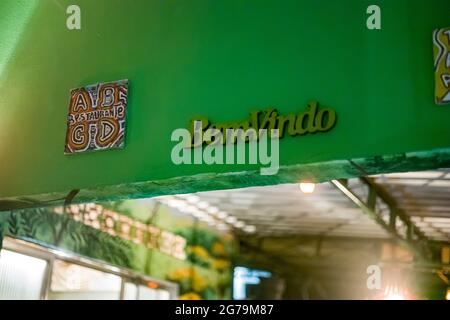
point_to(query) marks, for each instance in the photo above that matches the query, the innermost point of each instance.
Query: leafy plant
(62, 231)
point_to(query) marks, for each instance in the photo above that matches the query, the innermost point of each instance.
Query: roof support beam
(396, 222)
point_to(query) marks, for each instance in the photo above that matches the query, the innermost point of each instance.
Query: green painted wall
(221, 59)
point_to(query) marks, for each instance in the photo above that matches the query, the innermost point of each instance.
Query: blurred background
(376, 237)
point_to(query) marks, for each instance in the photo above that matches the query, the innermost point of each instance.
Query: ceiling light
(212, 210)
(231, 220)
(250, 229)
(203, 205)
(307, 187)
(206, 218)
(192, 199)
(190, 209)
(239, 224)
(197, 214)
(165, 199)
(174, 203)
(222, 215)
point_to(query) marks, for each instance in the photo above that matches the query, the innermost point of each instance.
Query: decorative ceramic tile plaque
(97, 117)
(441, 40)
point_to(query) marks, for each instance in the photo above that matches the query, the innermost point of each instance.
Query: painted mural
(141, 235)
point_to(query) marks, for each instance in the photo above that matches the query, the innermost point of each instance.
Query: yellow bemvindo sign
(312, 120)
(441, 40)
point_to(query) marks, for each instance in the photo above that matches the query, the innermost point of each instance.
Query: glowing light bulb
(222, 215)
(192, 199)
(249, 229)
(212, 210)
(307, 187)
(239, 224)
(203, 204)
(231, 220)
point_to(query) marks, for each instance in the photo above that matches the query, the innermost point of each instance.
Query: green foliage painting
(204, 273)
(206, 251)
(62, 231)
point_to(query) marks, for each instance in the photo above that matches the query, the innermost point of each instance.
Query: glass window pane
(72, 281)
(147, 293)
(163, 294)
(130, 291)
(21, 276)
